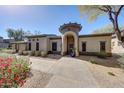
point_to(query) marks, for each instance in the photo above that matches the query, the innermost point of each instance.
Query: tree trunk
(116, 28)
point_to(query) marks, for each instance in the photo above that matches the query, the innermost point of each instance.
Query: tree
(28, 33)
(10, 33)
(113, 12)
(37, 32)
(18, 34)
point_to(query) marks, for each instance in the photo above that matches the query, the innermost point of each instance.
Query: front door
(54, 46)
(70, 44)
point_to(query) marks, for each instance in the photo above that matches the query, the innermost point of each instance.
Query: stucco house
(117, 47)
(69, 39)
(5, 43)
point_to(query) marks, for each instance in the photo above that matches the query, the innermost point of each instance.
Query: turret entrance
(70, 38)
(70, 44)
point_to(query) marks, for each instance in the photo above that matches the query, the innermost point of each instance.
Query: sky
(47, 19)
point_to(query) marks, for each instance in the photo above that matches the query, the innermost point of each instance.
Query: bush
(31, 53)
(13, 71)
(25, 52)
(37, 53)
(20, 52)
(121, 61)
(43, 53)
(13, 52)
(110, 73)
(5, 50)
(102, 55)
(93, 62)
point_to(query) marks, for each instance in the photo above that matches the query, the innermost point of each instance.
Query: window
(29, 46)
(122, 39)
(33, 39)
(83, 46)
(37, 39)
(37, 46)
(102, 46)
(69, 29)
(54, 46)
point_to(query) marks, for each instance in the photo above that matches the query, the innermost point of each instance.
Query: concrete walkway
(71, 72)
(63, 73)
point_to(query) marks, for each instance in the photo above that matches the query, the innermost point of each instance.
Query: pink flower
(1, 60)
(9, 60)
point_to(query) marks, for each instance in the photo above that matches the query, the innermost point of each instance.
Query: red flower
(2, 80)
(9, 71)
(16, 78)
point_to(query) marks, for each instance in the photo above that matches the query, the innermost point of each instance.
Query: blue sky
(46, 19)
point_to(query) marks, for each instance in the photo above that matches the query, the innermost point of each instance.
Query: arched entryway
(70, 43)
(69, 40)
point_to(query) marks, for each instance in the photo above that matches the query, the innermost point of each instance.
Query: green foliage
(6, 50)
(95, 11)
(17, 34)
(93, 61)
(37, 53)
(31, 53)
(121, 61)
(92, 12)
(102, 55)
(110, 73)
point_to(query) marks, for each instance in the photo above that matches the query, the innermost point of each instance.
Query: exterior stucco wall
(43, 43)
(93, 43)
(22, 47)
(13, 46)
(59, 44)
(116, 47)
(4, 45)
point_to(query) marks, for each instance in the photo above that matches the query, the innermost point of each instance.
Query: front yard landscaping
(50, 71)
(13, 70)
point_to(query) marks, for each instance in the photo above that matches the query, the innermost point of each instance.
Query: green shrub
(13, 52)
(93, 62)
(25, 52)
(121, 61)
(31, 53)
(0, 49)
(110, 73)
(43, 53)
(37, 53)
(20, 52)
(5, 50)
(102, 55)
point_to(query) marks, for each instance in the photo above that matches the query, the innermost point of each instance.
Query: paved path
(71, 72)
(65, 72)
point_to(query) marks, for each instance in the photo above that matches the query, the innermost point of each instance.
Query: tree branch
(103, 9)
(110, 17)
(119, 10)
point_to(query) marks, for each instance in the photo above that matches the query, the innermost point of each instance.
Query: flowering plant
(13, 71)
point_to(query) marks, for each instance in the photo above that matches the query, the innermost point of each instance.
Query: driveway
(63, 72)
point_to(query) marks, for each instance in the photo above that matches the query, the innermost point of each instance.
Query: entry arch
(64, 42)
